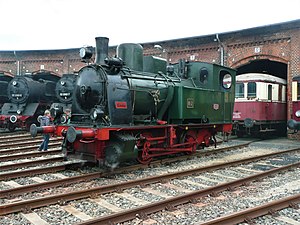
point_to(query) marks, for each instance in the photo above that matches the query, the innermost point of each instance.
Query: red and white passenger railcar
(294, 122)
(260, 105)
(296, 98)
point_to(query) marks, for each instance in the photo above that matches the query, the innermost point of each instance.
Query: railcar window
(298, 91)
(280, 93)
(203, 75)
(251, 90)
(239, 90)
(270, 92)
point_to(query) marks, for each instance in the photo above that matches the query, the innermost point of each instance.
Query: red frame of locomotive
(20, 122)
(151, 146)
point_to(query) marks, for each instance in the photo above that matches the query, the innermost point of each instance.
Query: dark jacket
(45, 121)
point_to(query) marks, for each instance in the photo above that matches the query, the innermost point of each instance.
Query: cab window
(203, 75)
(225, 79)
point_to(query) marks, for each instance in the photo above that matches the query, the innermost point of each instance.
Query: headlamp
(85, 53)
(13, 119)
(96, 113)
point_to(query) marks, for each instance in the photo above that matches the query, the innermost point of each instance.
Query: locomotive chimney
(101, 49)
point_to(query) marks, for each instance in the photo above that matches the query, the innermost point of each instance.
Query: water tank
(132, 55)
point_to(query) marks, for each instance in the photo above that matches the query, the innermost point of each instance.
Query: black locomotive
(134, 107)
(28, 97)
(64, 93)
(5, 78)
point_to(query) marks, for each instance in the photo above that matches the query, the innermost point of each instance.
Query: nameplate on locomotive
(121, 105)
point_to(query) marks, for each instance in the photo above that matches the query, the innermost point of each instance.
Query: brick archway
(248, 59)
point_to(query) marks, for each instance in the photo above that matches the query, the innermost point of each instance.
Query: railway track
(19, 157)
(13, 135)
(91, 191)
(172, 202)
(155, 179)
(13, 145)
(4, 132)
(22, 171)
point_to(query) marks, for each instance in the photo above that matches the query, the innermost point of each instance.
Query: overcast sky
(62, 24)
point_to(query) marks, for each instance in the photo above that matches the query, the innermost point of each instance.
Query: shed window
(251, 90)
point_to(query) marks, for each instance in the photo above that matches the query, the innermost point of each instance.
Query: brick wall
(58, 61)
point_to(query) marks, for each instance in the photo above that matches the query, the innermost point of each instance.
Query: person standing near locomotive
(45, 121)
(68, 115)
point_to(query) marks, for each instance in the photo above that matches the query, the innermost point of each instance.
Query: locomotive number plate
(63, 94)
(17, 95)
(190, 103)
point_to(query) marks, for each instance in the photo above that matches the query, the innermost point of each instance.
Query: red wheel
(190, 137)
(11, 127)
(203, 137)
(143, 161)
(143, 156)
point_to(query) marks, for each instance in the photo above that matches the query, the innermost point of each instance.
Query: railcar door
(269, 105)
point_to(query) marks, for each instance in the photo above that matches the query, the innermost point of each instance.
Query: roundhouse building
(272, 49)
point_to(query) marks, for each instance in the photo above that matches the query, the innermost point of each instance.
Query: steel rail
(18, 139)
(14, 144)
(31, 163)
(27, 148)
(31, 172)
(48, 184)
(28, 155)
(4, 135)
